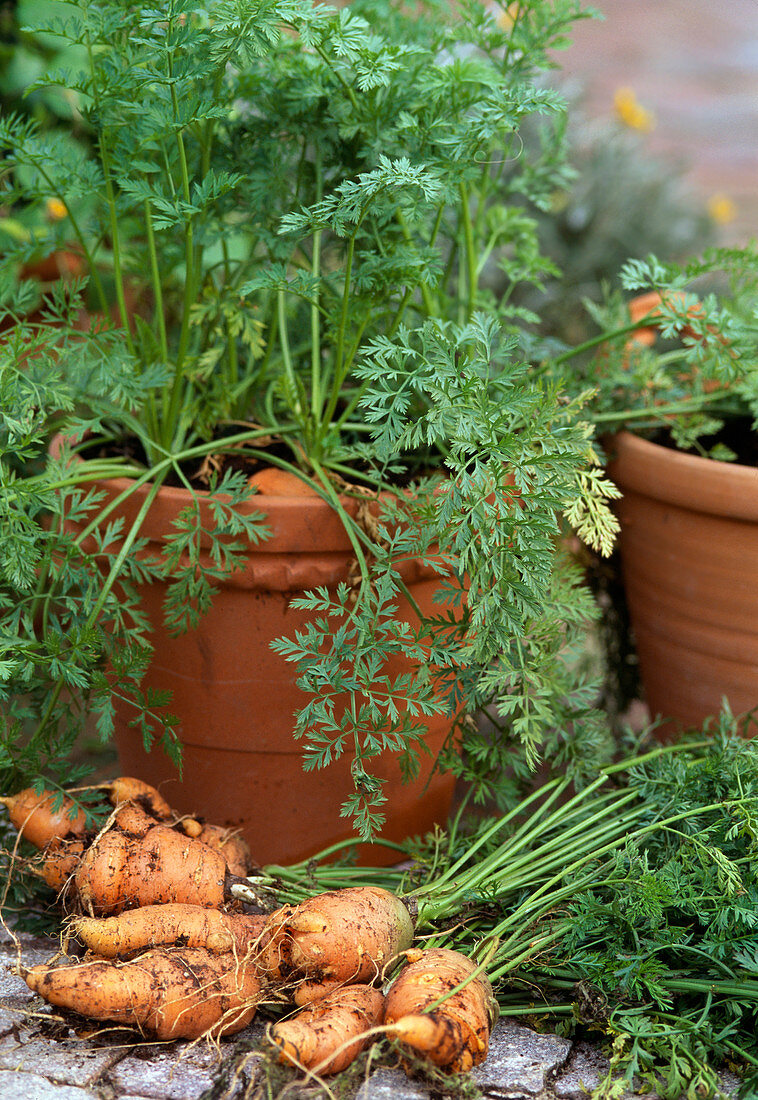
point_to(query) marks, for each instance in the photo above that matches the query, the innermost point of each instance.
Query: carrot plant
(626, 910)
(287, 225)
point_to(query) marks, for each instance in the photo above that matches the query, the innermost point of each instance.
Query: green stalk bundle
(627, 908)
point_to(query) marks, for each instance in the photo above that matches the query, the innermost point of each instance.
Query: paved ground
(49, 1055)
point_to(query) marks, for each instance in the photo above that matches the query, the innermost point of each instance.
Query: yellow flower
(631, 112)
(508, 16)
(722, 209)
(55, 210)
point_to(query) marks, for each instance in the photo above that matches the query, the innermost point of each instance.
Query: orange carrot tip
(328, 1034)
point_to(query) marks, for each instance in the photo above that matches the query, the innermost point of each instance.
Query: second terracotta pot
(236, 699)
(689, 551)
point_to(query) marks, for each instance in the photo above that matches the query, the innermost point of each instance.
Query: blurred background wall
(692, 65)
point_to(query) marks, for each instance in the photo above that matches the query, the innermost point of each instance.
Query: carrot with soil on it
(179, 993)
(229, 843)
(130, 864)
(136, 817)
(169, 925)
(127, 789)
(61, 859)
(340, 937)
(427, 1011)
(330, 1032)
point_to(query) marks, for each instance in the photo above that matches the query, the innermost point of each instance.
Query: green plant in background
(622, 203)
(699, 376)
(304, 203)
(25, 55)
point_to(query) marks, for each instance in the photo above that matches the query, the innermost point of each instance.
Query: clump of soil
(737, 433)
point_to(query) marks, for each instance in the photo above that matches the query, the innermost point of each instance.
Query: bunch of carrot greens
(628, 909)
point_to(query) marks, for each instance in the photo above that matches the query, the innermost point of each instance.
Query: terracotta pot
(689, 551)
(60, 267)
(235, 698)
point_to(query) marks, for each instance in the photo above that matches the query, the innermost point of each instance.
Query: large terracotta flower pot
(235, 698)
(689, 552)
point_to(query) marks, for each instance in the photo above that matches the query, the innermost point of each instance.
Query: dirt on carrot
(329, 1033)
(130, 865)
(343, 936)
(454, 1033)
(169, 925)
(179, 993)
(127, 789)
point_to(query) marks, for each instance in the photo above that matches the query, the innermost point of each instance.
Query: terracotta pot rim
(307, 545)
(310, 511)
(688, 481)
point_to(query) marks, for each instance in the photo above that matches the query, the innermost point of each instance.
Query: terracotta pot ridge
(688, 481)
(285, 560)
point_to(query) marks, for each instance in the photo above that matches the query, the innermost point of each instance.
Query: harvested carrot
(61, 861)
(179, 993)
(167, 925)
(329, 1033)
(231, 846)
(130, 818)
(34, 817)
(124, 869)
(344, 936)
(455, 1034)
(127, 789)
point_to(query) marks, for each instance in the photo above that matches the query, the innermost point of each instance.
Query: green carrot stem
(470, 252)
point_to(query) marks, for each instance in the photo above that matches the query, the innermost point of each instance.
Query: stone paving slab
(67, 1061)
(31, 1086)
(521, 1062)
(180, 1072)
(583, 1072)
(47, 1055)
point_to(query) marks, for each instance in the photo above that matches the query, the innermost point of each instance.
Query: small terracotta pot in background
(689, 555)
(236, 699)
(689, 552)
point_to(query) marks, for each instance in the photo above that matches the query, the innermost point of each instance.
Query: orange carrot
(125, 868)
(34, 817)
(328, 1034)
(61, 862)
(454, 1034)
(127, 789)
(231, 846)
(344, 936)
(167, 925)
(179, 993)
